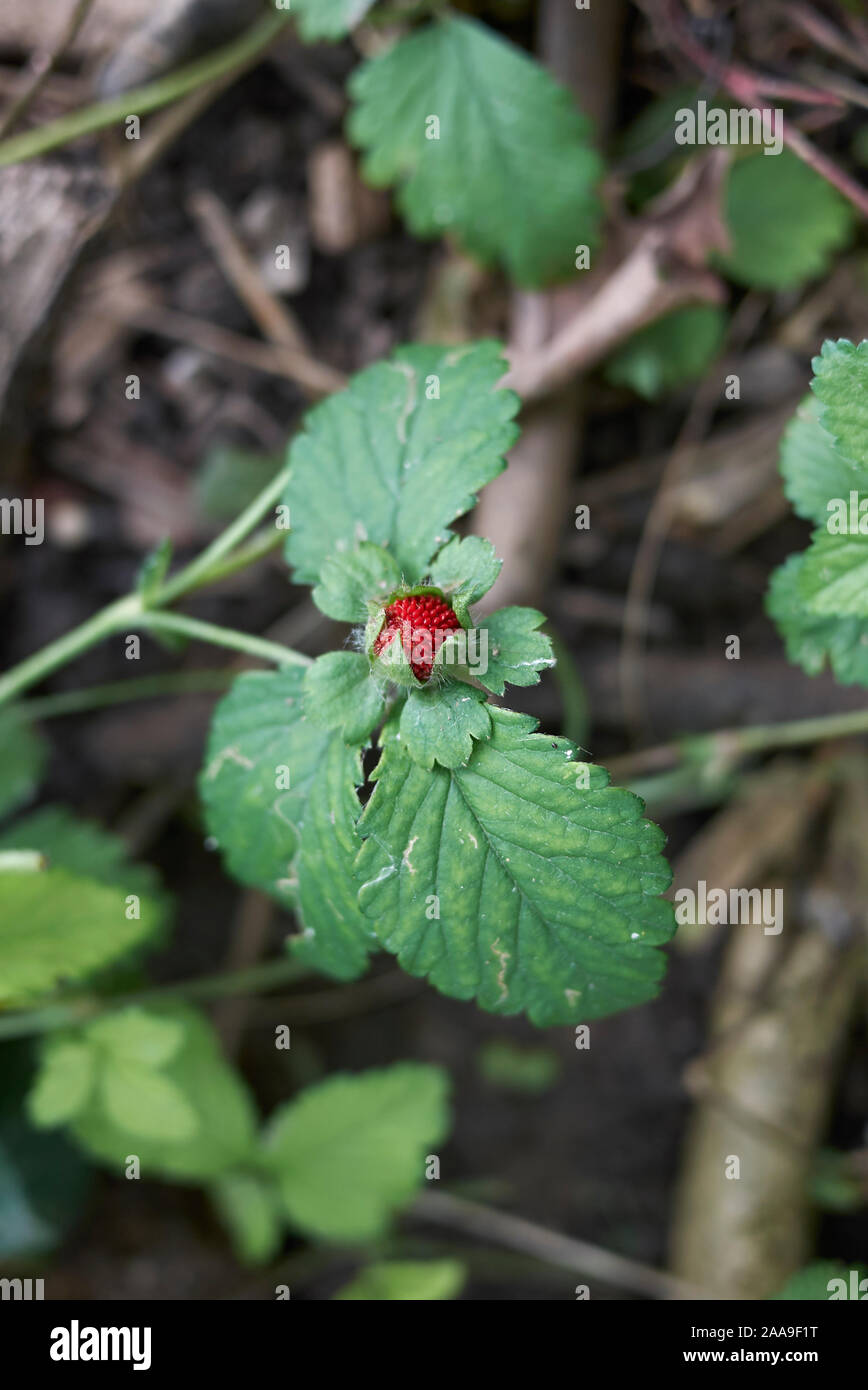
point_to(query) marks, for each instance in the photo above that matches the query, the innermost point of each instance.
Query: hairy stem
(222, 557)
(184, 626)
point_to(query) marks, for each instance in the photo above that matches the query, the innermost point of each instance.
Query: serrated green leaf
(56, 927)
(135, 1035)
(464, 570)
(63, 1083)
(784, 220)
(23, 754)
(329, 19)
(812, 468)
(841, 384)
(833, 580)
(86, 849)
(350, 1151)
(673, 350)
(504, 124)
(340, 693)
(337, 937)
(812, 640)
(349, 579)
(398, 455)
(510, 882)
(406, 1280)
(145, 1103)
(258, 743)
(517, 652)
(248, 1206)
(199, 1087)
(439, 723)
(259, 739)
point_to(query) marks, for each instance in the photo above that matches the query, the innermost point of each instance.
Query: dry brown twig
(664, 268)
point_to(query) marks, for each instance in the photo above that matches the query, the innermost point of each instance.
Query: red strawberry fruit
(422, 622)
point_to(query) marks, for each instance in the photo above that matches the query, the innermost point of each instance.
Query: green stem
(760, 737)
(119, 692)
(151, 97)
(217, 560)
(185, 626)
(123, 613)
(209, 564)
(246, 555)
(64, 1014)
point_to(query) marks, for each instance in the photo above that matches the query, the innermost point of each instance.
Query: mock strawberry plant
(492, 859)
(819, 599)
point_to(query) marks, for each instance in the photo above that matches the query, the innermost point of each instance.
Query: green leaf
(154, 570)
(23, 754)
(669, 352)
(398, 455)
(812, 1284)
(841, 384)
(785, 222)
(517, 653)
(145, 1103)
(812, 468)
(86, 849)
(258, 742)
(340, 693)
(44, 1180)
(834, 575)
(406, 1280)
(56, 927)
(351, 1151)
(504, 125)
(329, 19)
(835, 1184)
(63, 1084)
(229, 479)
(349, 579)
(137, 1036)
(191, 1119)
(464, 570)
(510, 882)
(248, 1206)
(813, 640)
(440, 723)
(337, 938)
(282, 839)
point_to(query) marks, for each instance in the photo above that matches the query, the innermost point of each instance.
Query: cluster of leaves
(819, 599)
(150, 1082)
(491, 859)
(334, 1164)
(456, 118)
